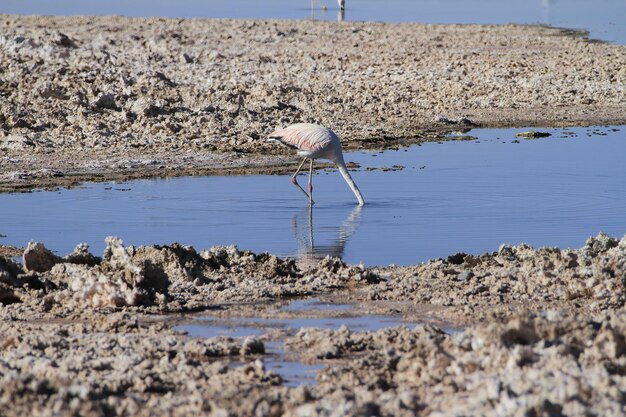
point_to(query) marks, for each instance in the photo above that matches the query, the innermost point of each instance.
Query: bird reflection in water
(317, 4)
(341, 15)
(308, 253)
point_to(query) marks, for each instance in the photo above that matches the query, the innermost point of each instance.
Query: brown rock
(38, 258)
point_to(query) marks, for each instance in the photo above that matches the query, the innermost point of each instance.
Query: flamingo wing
(304, 137)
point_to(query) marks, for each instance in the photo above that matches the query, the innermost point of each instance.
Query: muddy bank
(85, 334)
(114, 97)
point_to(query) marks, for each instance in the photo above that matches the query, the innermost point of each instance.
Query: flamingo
(315, 142)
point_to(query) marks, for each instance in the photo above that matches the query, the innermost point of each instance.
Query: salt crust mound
(93, 98)
(176, 277)
(567, 358)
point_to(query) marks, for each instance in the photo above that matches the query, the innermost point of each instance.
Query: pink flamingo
(315, 142)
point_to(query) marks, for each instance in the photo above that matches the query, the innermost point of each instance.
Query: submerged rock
(531, 134)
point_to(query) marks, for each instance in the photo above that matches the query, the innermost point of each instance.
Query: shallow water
(312, 313)
(293, 372)
(468, 196)
(333, 316)
(307, 304)
(605, 19)
(254, 326)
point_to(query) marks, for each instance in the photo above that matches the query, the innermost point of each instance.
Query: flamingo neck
(346, 176)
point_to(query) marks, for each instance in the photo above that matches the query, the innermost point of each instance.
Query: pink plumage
(315, 142)
(311, 140)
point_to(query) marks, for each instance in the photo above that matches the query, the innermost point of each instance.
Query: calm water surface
(605, 19)
(293, 372)
(466, 196)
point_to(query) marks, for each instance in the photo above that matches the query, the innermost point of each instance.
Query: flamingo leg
(311, 202)
(311, 228)
(294, 180)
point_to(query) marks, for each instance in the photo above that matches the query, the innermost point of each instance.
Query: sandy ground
(95, 98)
(116, 98)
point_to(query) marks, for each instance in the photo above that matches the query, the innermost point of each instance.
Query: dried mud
(101, 98)
(88, 335)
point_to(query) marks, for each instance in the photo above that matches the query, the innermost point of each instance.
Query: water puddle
(294, 373)
(224, 328)
(440, 198)
(312, 313)
(303, 313)
(254, 326)
(308, 304)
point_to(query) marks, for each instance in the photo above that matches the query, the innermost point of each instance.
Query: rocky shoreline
(90, 335)
(96, 98)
